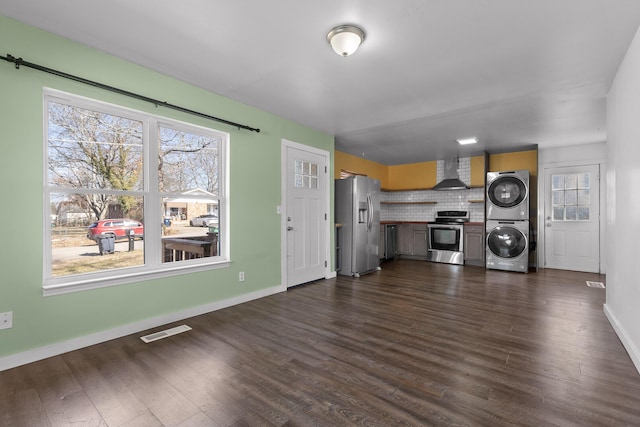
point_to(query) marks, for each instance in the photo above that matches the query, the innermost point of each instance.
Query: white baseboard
(331, 275)
(628, 344)
(40, 353)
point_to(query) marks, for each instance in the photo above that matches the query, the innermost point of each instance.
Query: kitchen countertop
(404, 222)
(423, 222)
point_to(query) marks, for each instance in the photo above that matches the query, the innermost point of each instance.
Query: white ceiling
(514, 73)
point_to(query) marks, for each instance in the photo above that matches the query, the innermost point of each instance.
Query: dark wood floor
(416, 344)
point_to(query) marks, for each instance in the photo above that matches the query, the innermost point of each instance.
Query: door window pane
(583, 214)
(558, 213)
(571, 181)
(557, 182)
(583, 180)
(558, 198)
(570, 196)
(583, 197)
(306, 175)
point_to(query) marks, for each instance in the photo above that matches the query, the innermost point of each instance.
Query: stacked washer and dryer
(507, 220)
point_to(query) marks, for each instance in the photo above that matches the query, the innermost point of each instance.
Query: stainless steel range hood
(451, 179)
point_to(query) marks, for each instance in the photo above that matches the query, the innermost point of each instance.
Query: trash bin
(106, 244)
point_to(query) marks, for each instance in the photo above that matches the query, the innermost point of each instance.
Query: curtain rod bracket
(17, 61)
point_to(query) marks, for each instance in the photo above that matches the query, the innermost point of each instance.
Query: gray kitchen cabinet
(405, 239)
(474, 244)
(412, 241)
(420, 240)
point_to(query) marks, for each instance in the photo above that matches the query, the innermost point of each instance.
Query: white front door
(572, 218)
(306, 216)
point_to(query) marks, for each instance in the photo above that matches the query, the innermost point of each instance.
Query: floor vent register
(164, 334)
(595, 284)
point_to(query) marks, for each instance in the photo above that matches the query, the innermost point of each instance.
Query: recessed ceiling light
(467, 141)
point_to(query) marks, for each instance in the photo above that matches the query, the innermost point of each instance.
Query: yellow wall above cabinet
(355, 164)
(477, 171)
(515, 161)
(423, 175)
(412, 176)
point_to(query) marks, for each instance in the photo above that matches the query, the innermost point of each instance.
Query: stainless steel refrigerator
(357, 208)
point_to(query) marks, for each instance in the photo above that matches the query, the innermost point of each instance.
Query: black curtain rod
(20, 62)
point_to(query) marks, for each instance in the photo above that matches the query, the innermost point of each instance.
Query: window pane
(571, 213)
(571, 197)
(196, 236)
(571, 181)
(558, 213)
(298, 166)
(81, 244)
(557, 182)
(584, 198)
(557, 197)
(583, 213)
(188, 161)
(583, 180)
(93, 150)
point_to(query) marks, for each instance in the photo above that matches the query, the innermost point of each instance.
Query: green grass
(98, 263)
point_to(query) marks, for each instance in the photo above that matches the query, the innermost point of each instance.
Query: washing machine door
(507, 191)
(506, 241)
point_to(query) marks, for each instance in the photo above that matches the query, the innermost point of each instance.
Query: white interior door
(306, 214)
(572, 218)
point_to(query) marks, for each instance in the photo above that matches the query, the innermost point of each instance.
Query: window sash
(150, 194)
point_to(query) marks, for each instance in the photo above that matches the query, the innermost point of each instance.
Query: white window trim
(151, 269)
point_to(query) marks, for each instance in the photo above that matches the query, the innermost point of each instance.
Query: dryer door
(506, 241)
(507, 191)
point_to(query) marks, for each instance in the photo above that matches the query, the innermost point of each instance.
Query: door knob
(289, 228)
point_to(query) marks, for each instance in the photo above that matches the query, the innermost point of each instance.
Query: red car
(120, 228)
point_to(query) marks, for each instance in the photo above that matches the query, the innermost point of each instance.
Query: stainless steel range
(446, 237)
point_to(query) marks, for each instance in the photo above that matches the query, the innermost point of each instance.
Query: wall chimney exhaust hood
(451, 179)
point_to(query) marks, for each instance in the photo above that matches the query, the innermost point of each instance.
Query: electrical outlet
(241, 276)
(6, 320)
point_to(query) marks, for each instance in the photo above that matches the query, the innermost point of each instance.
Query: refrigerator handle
(369, 212)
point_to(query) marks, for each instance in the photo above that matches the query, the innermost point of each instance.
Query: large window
(128, 194)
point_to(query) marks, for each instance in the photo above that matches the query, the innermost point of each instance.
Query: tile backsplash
(445, 200)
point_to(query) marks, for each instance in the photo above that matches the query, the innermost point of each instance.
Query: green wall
(254, 194)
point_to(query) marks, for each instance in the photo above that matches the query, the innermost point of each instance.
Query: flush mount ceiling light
(467, 141)
(345, 39)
